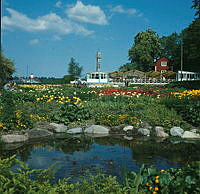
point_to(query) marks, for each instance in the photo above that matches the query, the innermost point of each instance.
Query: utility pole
(1, 31)
(181, 58)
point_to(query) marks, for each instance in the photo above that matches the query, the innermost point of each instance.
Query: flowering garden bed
(21, 108)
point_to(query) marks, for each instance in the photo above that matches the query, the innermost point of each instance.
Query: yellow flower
(157, 181)
(162, 170)
(1, 124)
(157, 177)
(156, 188)
(150, 188)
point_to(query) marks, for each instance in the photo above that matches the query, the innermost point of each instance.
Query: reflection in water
(111, 154)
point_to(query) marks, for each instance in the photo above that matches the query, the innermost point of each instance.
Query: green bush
(11, 115)
(187, 108)
(159, 115)
(191, 85)
(116, 119)
(71, 112)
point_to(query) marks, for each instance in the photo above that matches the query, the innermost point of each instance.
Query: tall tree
(74, 69)
(196, 6)
(191, 46)
(171, 48)
(146, 48)
(6, 68)
(128, 67)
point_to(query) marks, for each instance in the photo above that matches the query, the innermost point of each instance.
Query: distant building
(187, 76)
(162, 65)
(97, 77)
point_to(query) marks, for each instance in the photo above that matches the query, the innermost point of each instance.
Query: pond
(113, 154)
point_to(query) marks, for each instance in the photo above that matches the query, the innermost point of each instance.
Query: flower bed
(21, 108)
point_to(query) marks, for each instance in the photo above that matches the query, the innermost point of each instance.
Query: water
(111, 155)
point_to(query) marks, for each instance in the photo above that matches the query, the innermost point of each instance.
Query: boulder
(127, 128)
(38, 133)
(176, 131)
(117, 129)
(75, 131)
(146, 125)
(14, 138)
(189, 134)
(159, 128)
(159, 132)
(194, 130)
(144, 131)
(58, 128)
(96, 129)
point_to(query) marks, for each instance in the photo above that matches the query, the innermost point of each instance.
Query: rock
(75, 131)
(176, 131)
(14, 138)
(160, 132)
(96, 129)
(144, 131)
(189, 134)
(58, 128)
(146, 125)
(38, 133)
(118, 128)
(193, 130)
(159, 128)
(127, 128)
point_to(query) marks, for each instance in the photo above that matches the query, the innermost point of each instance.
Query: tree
(128, 67)
(191, 46)
(6, 68)
(145, 50)
(171, 48)
(74, 69)
(196, 6)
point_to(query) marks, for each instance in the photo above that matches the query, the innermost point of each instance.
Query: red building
(162, 65)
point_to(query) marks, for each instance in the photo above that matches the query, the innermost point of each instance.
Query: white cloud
(131, 11)
(49, 22)
(34, 41)
(58, 4)
(87, 13)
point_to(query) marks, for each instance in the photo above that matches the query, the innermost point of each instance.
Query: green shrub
(187, 108)
(191, 85)
(117, 119)
(70, 112)
(159, 115)
(11, 115)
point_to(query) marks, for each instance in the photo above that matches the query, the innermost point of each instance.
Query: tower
(98, 61)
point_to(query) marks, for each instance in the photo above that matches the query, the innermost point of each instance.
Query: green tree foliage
(171, 48)
(6, 68)
(145, 49)
(128, 67)
(74, 69)
(191, 46)
(196, 6)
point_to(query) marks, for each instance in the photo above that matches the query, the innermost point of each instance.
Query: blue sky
(43, 35)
